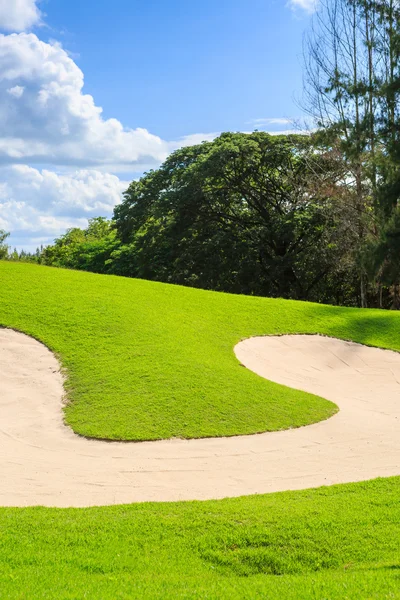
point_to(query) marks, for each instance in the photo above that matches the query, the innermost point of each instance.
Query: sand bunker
(43, 462)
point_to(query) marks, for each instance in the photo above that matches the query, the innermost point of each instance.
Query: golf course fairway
(149, 361)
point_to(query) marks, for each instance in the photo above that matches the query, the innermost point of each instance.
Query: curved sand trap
(44, 462)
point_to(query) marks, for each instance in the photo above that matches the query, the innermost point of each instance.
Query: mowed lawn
(147, 360)
(338, 543)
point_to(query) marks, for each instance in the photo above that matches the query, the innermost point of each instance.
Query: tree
(384, 258)
(352, 86)
(3, 247)
(86, 249)
(339, 73)
(245, 213)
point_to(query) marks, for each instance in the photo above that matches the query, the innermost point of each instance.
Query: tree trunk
(363, 291)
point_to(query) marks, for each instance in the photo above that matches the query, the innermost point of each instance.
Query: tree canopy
(245, 213)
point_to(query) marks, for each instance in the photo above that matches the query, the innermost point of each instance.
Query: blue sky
(164, 73)
(181, 67)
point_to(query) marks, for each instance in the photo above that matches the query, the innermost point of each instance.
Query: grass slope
(147, 360)
(167, 353)
(333, 543)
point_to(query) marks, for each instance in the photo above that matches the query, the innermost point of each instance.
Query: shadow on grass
(371, 327)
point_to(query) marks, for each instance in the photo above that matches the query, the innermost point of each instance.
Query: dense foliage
(352, 85)
(247, 213)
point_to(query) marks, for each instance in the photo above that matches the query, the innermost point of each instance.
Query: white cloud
(192, 140)
(16, 91)
(309, 6)
(18, 15)
(270, 121)
(47, 120)
(43, 204)
(290, 132)
(53, 121)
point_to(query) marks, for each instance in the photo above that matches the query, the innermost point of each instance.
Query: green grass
(146, 360)
(341, 543)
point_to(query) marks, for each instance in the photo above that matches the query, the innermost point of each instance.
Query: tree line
(312, 217)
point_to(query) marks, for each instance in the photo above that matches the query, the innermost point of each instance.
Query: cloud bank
(47, 119)
(37, 205)
(19, 15)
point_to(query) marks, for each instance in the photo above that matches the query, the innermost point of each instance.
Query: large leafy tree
(246, 213)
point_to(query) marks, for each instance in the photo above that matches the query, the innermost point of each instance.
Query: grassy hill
(147, 360)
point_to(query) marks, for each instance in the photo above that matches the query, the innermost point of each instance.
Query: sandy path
(43, 462)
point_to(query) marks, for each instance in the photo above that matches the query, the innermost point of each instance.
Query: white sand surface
(42, 462)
